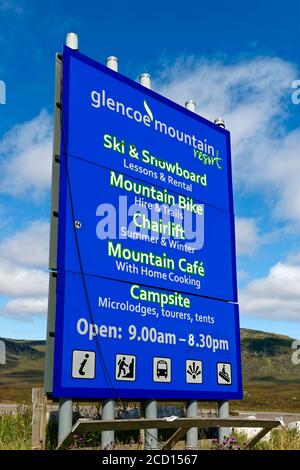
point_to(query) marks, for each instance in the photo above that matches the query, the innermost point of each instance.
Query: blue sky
(235, 62)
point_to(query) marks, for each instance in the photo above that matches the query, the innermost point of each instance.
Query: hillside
(23, 369)
(267, 358)
(270, 379)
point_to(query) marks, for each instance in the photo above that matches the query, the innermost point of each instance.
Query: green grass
(15, 429)
(281, 439)
(15, 434)
(264, 396)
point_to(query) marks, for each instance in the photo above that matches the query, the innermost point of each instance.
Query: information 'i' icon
(83, 364)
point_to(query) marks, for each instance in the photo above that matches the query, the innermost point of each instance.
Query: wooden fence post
(39, 409)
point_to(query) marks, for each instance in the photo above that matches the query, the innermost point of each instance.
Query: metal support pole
(51, 315)
(112, 63)
(65, 411)
(223, 412)
(151, 435)
(65, 418)
(192, 442)
(150, 406)
(108, 413)
(108, 406)
(223, 406)
(191, 405)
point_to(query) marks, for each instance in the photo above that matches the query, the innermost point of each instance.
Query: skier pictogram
(224, 373)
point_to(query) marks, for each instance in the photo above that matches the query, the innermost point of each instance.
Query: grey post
(108, 413)
(150, 406)
(223, 412)
(191, 405)
(192, 442)
(65, 418)
(2, 352)
(223, 406)
(108, 406)
(49, 357)
(65, 413)
(151, 435)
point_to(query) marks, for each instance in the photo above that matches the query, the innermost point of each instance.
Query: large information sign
(146, 284)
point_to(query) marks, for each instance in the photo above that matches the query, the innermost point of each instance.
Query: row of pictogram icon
(84, 366)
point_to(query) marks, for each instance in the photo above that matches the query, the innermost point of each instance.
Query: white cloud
(18, 280)
(23, 275)
(25, 158)
(294, 258)
(275, 296)
(247, 237)
(253, 97)
(250, 237)
(25, 308)
(28, 247)
(242, 275)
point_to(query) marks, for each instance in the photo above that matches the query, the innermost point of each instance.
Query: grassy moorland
(22, 371)
(271, 383)
(15, 429)
(15, 434)
(271, 380)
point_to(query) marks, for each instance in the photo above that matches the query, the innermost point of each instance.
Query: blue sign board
(144, 342)
(113, 244)
(116, 123)
(146, 282)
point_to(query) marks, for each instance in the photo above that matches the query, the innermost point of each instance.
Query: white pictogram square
(161, 369)
(193, 371)
(83, 364)
(125, 367)
(224, 373)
